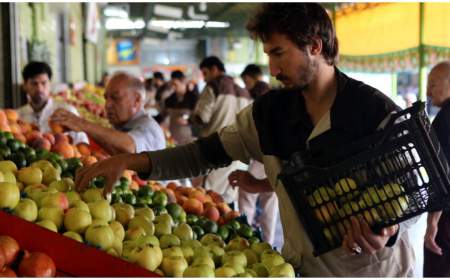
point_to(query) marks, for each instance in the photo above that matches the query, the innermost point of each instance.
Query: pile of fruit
(14, 262)
(171, 230)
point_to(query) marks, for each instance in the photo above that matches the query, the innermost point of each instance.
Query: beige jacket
(241, 142)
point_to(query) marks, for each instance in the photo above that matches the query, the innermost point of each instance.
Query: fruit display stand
(72, 258)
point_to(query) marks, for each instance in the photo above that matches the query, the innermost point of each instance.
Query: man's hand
(111, 169)
(361, 239)
(248, 183)
(432, 230)
(68, 119)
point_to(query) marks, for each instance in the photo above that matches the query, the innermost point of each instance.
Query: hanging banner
(92, 22)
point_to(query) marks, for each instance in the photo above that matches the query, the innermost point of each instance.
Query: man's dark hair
(35, 68)
(158, 75)
(301, 22)
(210, 61)
(177, 74)
(252, 70)
(149, 84)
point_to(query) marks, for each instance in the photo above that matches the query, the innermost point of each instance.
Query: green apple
(172, 251)
(124, 212)
(396, 207)
(212, 238)
(162, 227)
(140, 221)
(238, 244)
(48, 225)
(260, 247)
(112, 252)
(184, 231)
(235, 258)
(2, 179)
(371, 216)
(100, 236)
(174, 266)
(74, 236)
(149, 257)
(53, 214)
(118, 229)
(282, 270)
(271, 258)
(7, 165)
(321, 195)
(252, 256)
(225, 271)
(236, 267)
(26, 209)
(145, 212)
(92, 195)
(393, 189)
(204, 260)
(216, 251)
(200, 270)
(260, 270)
(30, 175)
(72, 197)
(191, 243)
(117, 245)
(325, 212)
(100, 209)
(147, 240)
(70, 183)
(9, 195)
(344, 185)
(166, 218)
(58, 200)
(348, 209)
(245, 274)
(9, 177)
(188, 253)
(60, 185)
(250, 272)
(202, 252)
(77, 220)
(134, 233)
(42, 164)
(50, 174)
(82, 205)
(169, 240)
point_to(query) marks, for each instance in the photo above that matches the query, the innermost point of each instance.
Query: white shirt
(41, 118)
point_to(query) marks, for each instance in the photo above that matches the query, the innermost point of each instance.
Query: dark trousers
(435, 265)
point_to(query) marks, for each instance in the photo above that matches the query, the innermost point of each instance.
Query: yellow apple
(282, 270)
(50, 174)
(134, 233)
(118, 229)
(53, 214)
(8, 176)
(74, 236)
(200, 270)
(48, 225)
(345, 185)
(174, 266)
(140, 221)
(77, 220)
(321, 195)
(30, 175)
(92, 195)
(55, 200)
(8, 165)
(100, 236)
(9, 195)
(225, 271)
(145, 212)
(124, 212)
(101, 209)
(149, 257)
(27, 210)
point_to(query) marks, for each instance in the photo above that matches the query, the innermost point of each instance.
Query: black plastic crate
(391, 176)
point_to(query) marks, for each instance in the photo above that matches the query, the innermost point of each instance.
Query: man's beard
(37, 101)
(306, 74)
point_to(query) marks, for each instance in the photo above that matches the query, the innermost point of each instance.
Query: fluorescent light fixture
(122, 24)
(217, 24)
(187, 24)
(115, 12)
(191, 13)
(168, 11)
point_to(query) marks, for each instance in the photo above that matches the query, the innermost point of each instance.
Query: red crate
(71, 257)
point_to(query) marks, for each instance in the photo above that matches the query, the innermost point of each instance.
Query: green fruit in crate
(19, 159)
(101, 210)
(145, 191)
(184, 232)
(211, 238)
(77, 220)
(92, 195)
(325, 212)
(200, 270)
(395, 208)
(54, 214)
(372, 196)
(321, 195)
(198, 231)
(234, 224)
(223, 232)
(73, 235)
(149, 257)
(252, 256)
(210, 227)
(271, 258)
(100, 236)
(169, 240)
(48, 225)
(174, 266)
(124, 212)
(9, 195)
(5, 151)
(260, 270)
(27, 210)
(172, 251)
(134, 233)
(328, 236)
(393, 189)
(42, 153)
(146, 212)
(225, 271)
(159, 198)
(237, 243)
(345, 185)
(129, 198)
(282, 270)
(175, 210)
(348, 209)
(235, 258)
(14, 145)
(30, 175)
(7, 165)
(191, 219)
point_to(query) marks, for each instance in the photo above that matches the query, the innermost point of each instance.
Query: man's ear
(316, 46)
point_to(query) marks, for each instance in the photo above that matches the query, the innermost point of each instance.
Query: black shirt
(441, 126)
(284, 125)
(188, 102)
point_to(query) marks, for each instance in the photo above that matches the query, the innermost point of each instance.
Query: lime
(234, 224)
(9, 135)
(191, 219)
(159, 209)
(124, 183)
(14, 144)
(145, 191)
(129, 198)
(3, 140)
(159, 198)
(5, 151)
(198, 231)
(115, 198)
(254, 239)
(245, 231)
(19, 159)
(42, 153)
(223, 232)
(210, 227)
(63, 164)
(73, 164)
(175, 210)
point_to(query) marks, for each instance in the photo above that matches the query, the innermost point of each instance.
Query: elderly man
(133, 130)
(437, 236)
(37, 77)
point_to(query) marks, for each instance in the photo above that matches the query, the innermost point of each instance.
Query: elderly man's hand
(361, 239)
(111, 169)
(68, 119)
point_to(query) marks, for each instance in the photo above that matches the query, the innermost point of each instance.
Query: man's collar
(48, 104)
(129, 124)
